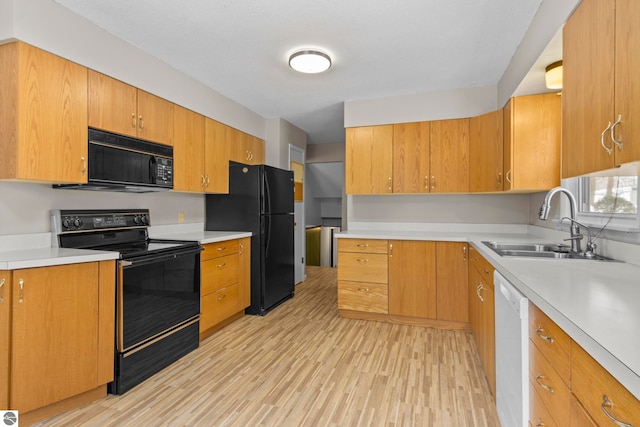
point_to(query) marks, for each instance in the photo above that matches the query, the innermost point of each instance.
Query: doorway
(296, 164)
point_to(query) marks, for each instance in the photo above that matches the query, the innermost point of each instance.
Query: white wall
(6, 19)
(279, 134)
(323, 153)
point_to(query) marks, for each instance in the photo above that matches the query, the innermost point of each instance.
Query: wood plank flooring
(303, 365)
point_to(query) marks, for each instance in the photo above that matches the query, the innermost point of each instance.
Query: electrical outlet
(180, 217)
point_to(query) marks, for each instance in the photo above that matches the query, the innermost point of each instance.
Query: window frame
(596, 220)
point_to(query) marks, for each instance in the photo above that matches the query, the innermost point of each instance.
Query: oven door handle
(154, 258)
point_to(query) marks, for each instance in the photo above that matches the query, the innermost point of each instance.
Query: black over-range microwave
(121, 163)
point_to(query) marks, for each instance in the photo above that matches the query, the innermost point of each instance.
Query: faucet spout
(576, 237)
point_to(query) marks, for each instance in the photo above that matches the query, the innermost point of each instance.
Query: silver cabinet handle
(202, 182)
(507, 176)
(540, 423)
(83, 159)
(390, 249)
(363, 289)
(1, 295)
(141, 122)
(362, 260)
(539, 378)
(602, 138)
(540, 333)
(223, 265)
(21, 297)
(606, 403)
(478, 289)
(464, 253)
(221, 248)
(426, 182)
(499, 183)
(613, 133)
(362, 245)
(389, 184)
(133, 120)
(222, 297)
(433, 181)
(207, 184)
(241, 248)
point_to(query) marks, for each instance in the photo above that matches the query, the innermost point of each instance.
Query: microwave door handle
(153, 170)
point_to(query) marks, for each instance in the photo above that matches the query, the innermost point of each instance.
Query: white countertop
(45, 257)
(204, 237)
(597, 303)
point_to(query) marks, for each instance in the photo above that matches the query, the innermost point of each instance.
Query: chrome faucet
(574, 228)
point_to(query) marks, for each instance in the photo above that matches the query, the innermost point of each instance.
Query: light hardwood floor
(303, 365)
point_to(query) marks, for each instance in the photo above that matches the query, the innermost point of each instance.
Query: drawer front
(538, 413)
(218, 306)
(218, 273)
(483, 266)
(551, 340)
(590, 383)
(215, 250)
(363, 245)
(579, 417)
(360, 296)
(550, 387)
(373, 268)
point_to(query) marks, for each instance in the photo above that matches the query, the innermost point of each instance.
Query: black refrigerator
(260, 200)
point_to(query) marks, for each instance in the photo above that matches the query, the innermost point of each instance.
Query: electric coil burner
(158, 288)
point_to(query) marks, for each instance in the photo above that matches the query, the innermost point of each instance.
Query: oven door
(156, 293)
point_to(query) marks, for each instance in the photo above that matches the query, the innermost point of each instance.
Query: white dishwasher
(512, 353)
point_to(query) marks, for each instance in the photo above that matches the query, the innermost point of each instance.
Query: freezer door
(278, 259)
(277, 191)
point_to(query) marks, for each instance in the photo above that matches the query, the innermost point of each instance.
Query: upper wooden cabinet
(449, 155)
(532, 142)
(601, 85)
(368, 160)
(411, 157)
(43, 116)
(216, 156)
(245, 148)
(485, 152)
(188, 150)
(117, 107)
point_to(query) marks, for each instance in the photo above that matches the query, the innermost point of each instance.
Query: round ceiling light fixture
(553, 75)
(310, 61)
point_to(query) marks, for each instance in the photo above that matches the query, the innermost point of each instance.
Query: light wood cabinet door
(244, 274)
(369, 160)
(54, 334)
(532, 142)
(246, 148)
(627, 80)
(5, 337)
(188, 151)
(412, 278)
(363, 296)
(216, 156)
(588, 87)
(43, 116)
(452, 272)
(552, 341)
(354, 267)
(411, 157)
(155, 118)
(485, 152)
(489, 334)
(112, 105)
(449, 154)
(257, 150)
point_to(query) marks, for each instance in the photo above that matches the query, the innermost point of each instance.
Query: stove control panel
(68, 221)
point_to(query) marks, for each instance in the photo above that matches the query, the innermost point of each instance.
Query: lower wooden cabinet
(363, 296)
(579, 416)
(5, 336)
(412, 278)
(225, 283)
(61, 337)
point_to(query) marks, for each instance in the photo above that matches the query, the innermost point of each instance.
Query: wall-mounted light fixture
(553, 75)
(310, 61)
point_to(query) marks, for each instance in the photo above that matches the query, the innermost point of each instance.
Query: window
(606, 201)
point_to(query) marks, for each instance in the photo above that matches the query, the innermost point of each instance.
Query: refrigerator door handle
(267, 232)
(267, 195)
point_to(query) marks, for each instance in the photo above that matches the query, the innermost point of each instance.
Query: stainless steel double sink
(540, 250)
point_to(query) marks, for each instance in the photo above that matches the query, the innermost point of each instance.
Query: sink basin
(540, 250)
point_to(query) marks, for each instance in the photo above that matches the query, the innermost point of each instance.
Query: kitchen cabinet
(246, 148)
(412, 278)
(369, 160)
(117, 107)
(485, 152)
(216, 156)
(482, 312)
(601, 395)
(188, 151)
(62, 333)
(225, 286)
(449, 156)
(411, 157)
(532, 142)
(5, 334)
(363, 275)
(579, 416)
(43, 116)
(452, 279)
(601, 59)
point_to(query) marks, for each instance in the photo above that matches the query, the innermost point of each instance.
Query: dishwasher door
(512, 353)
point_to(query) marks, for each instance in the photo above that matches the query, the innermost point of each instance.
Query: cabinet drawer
(363, 245)
(218, 273)
(363, 267)
(579, 417)
(218, 306)
(550, 387)
(590, 383)
(538, 413)
(552, 341)
(361, 296)
(215, 250)
(483, 266)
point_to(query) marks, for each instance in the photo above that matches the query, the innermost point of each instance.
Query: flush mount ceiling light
(553, 75)
(310, 61)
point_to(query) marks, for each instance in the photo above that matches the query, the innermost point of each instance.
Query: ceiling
(379, 48)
